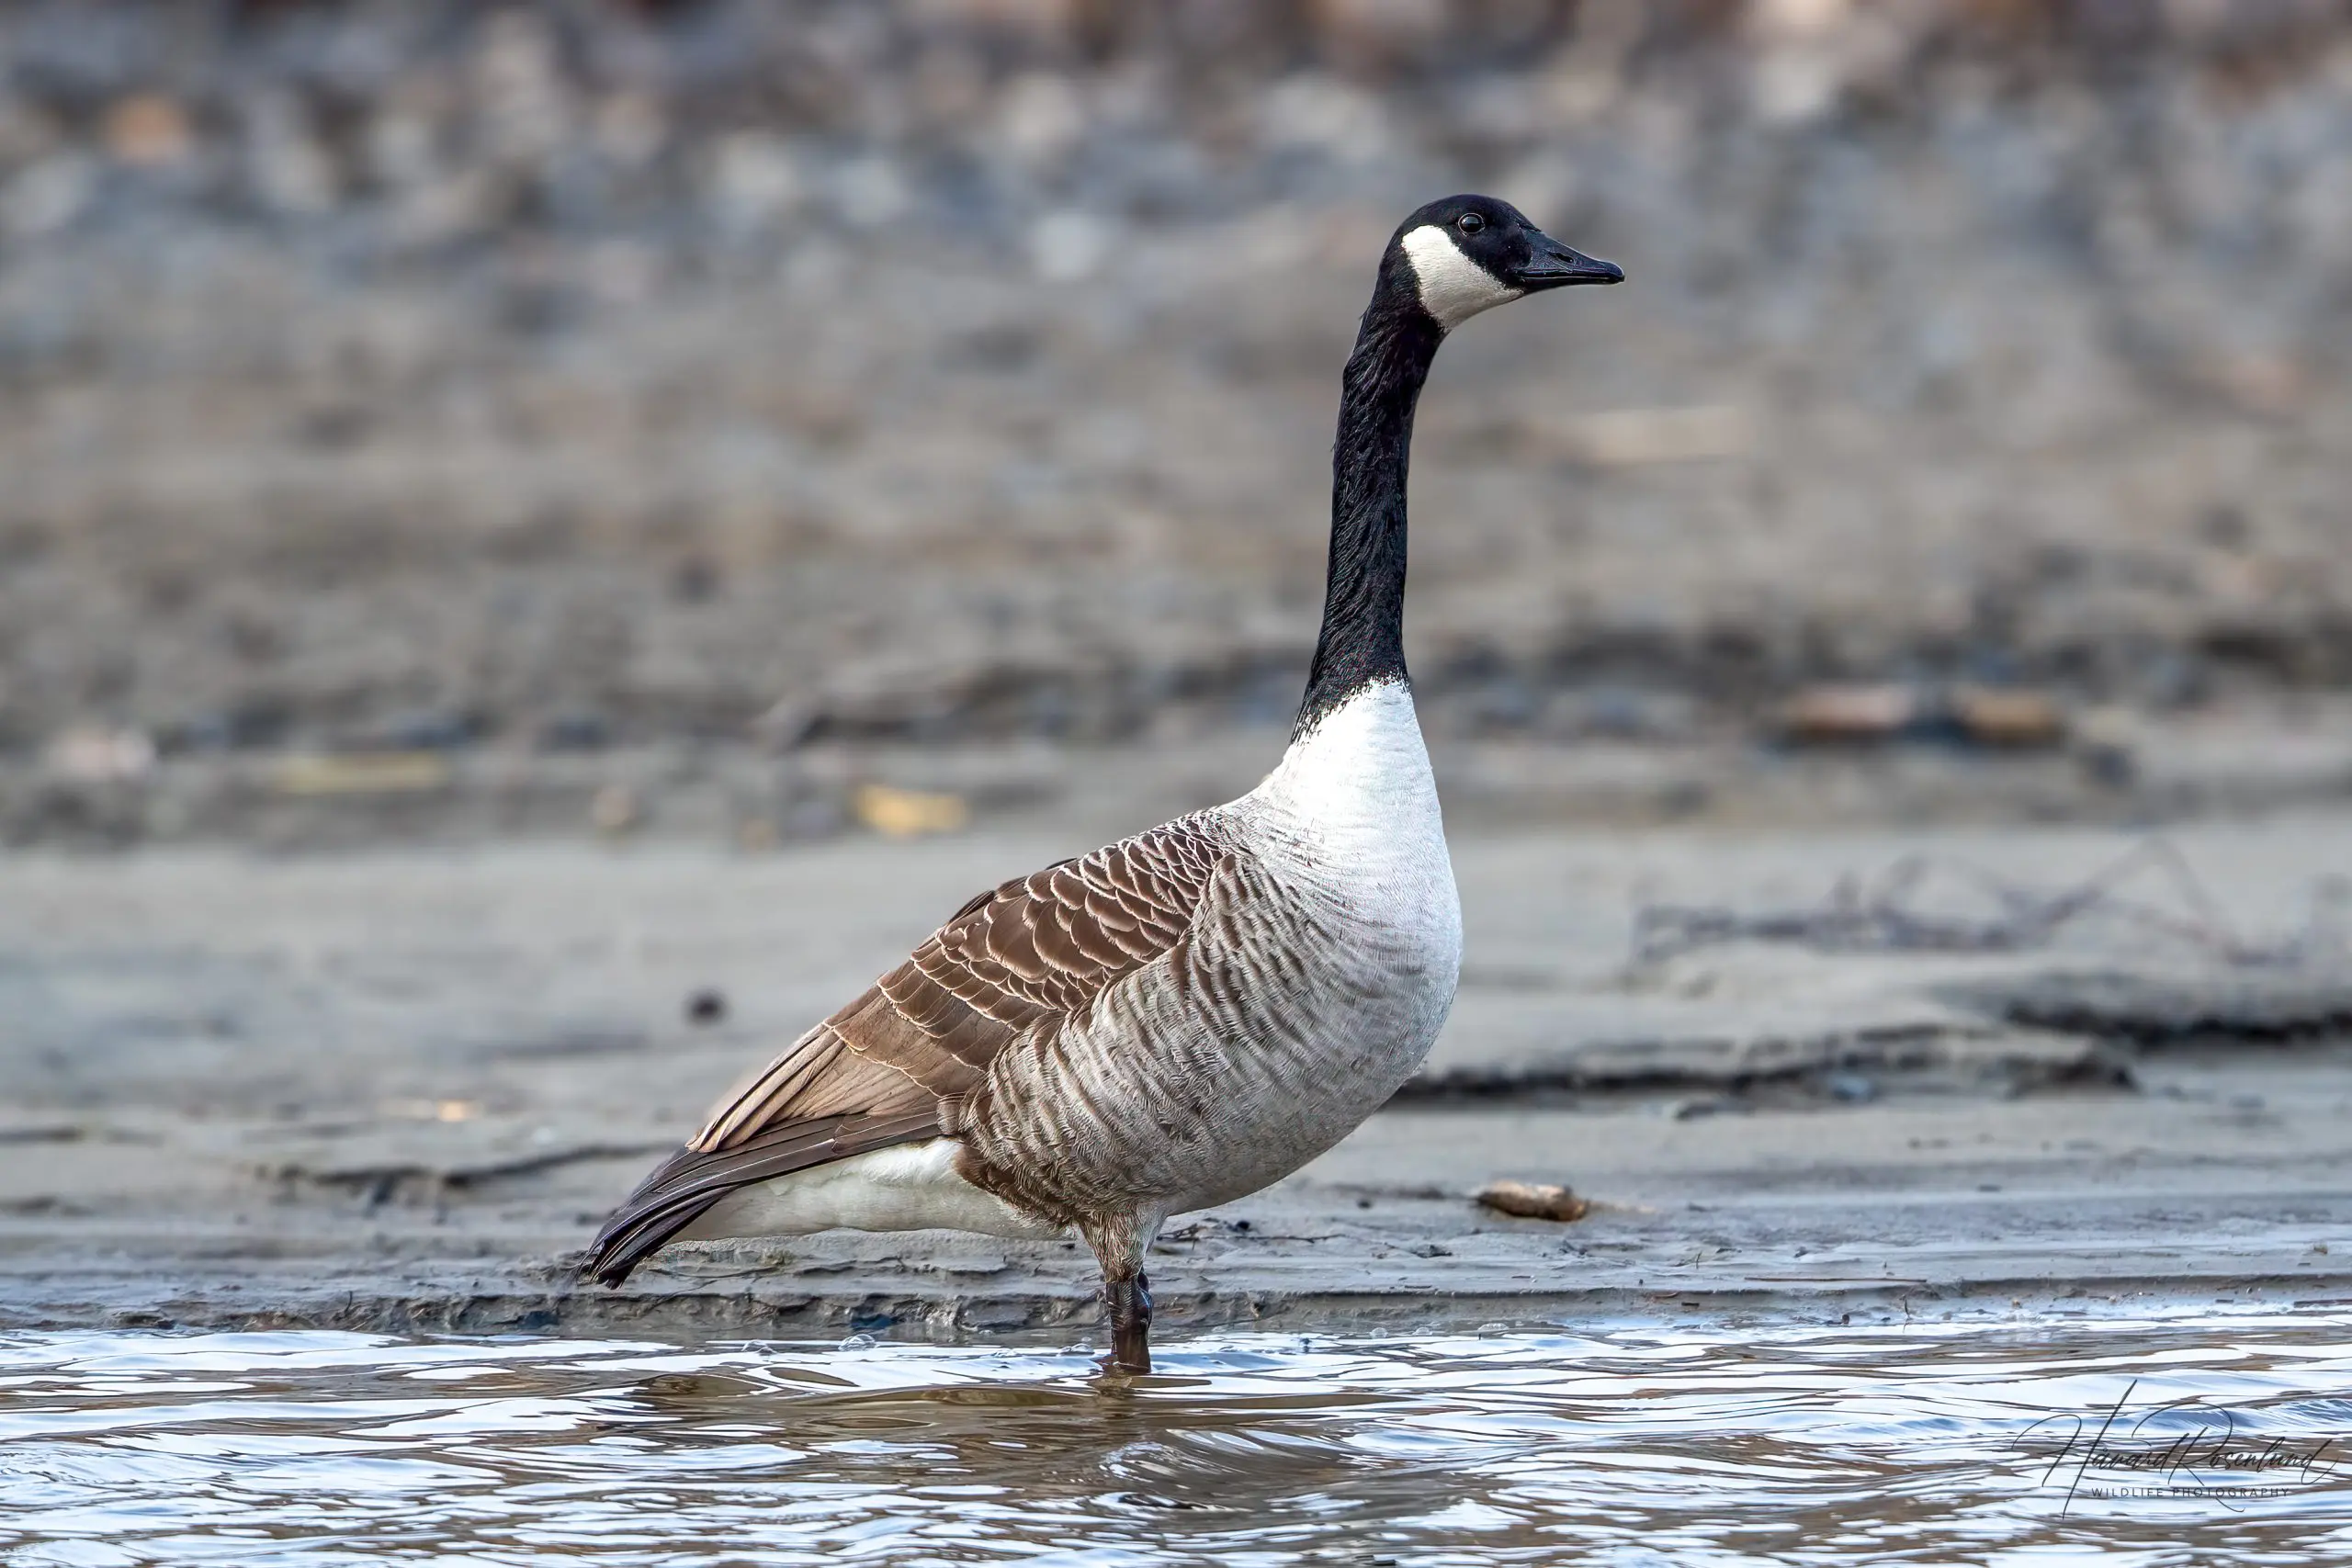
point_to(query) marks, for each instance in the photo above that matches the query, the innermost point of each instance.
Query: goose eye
(1470, 222)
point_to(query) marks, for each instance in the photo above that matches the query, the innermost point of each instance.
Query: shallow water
(1637, 1444)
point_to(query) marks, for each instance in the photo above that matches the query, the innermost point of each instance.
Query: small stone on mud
(615, 811)
(1853, 1088)
(909, 813)
(1844, 715)
(706, 1006)
(1998, 716)
(1534, 1200)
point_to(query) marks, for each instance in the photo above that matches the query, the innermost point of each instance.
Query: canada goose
(1190, 1014)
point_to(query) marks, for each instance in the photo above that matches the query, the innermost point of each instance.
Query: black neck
(1363, 606)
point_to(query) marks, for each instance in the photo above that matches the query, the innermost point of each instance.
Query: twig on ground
(1882, 915)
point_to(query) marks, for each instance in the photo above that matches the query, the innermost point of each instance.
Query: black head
(1469, 253)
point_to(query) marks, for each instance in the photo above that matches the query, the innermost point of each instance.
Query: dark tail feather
(681, 1187)
(646, 1220)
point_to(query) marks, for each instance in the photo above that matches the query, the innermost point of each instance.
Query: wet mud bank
(2054, 1067)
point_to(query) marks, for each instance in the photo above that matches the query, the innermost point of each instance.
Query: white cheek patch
(1454, 287)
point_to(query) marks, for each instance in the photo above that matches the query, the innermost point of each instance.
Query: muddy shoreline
(396, 1090)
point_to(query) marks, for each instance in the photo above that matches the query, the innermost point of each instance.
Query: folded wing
(895, 1066)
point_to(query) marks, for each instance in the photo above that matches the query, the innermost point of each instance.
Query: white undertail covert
(913, 1187)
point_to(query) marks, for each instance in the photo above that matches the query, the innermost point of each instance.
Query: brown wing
(895, 1066)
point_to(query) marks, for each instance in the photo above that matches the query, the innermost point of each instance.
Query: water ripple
(1926, 1443)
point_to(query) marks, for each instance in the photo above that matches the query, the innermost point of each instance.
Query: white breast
(1350, 821)
(1360, 895)
(1355, 795)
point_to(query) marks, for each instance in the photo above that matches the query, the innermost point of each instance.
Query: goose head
(1469, 253)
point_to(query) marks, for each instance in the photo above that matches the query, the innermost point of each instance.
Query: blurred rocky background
(756, 419)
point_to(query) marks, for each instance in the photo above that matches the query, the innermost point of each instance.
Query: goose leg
(1130, 1304)
(1119, 1241)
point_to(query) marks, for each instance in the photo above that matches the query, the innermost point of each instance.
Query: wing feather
(895, 1064)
